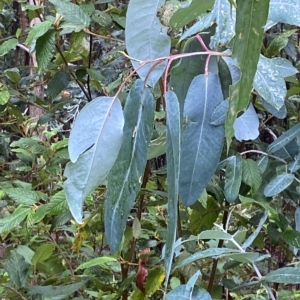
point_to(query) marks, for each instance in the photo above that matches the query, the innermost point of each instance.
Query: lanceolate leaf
(202, 142)
(146, 37)
(251, 16)
(233, 178)
(278, 184)
(94, 144)
(284, 275)
(126, 176)
(173, 159)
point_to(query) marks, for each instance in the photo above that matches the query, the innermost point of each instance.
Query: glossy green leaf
(173, 159)
(148, 40)
(285, 11)
(183, 16)
(202, 142)
(284, 139)
(42, 253)
(125, 177)
(233, 178)
(37, 31)
(251, 16)
(58, 82)
(98, 261)
(285, 275)
(278, 184)
(252, 174)
(8, 45)
(269, 83)
(94, 144)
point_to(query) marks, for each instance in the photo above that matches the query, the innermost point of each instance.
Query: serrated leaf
(57, 84)
(57, 203)
(269, 83)
(284, 139)
(250, 18)
(233, 178)
(13, 220)
(285, 11)
(22, 196)
(173, 158)
(252, 175)
(7, 46)
(17, 269)
(26, 252)
(287, 275)
(246, 126)
(4, 94)
(37, 31)
(94, 144)
(72, 13)
(278, 184)
(98, 261)
(202, 142)
(183, 16)
(125, 177)
(291, 237)
(284, 66)
(42, 253)
(148, 40)
(45, 47)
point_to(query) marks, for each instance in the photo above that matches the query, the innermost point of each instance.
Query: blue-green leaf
(287, 275)
(284, 66)
(285, 11)
(202, 142)
(278, 184)
(146, 37)
(94, 144)
(126, 175)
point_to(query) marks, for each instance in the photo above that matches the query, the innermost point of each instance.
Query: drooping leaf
(183, 16)
(251, 16)
(202, 142)
(252, 174)
(233, 178)
(45, 47)
(126, 176)
(8, 45)
(72, 13)
(269, 83)
(98, 261)
(173, 159)
(17, 269)
(42, 253)
(285, 11)
(278, 184)
(148, 40)
(246, 125)
(57, 83)
(284, 139)
(285, 275)
(37, 31)
(94, 144)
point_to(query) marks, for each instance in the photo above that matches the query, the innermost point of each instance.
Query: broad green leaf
(26, 252)
(126, 175)
(279, 42)
(285, 11)
(233, 178)
(22, 196)
(148, 39)
(173, 159)
(247, 257)
(45, 47)
(102, 18)
(98, 261)
(202, 142)
(183, 16)
(269, 83)
(37, 31)
(287, 275)
(211, 252)
(284, 66)
(278, 184)
(94, 144)
(252, 175)
(251, 16)
(4, 94)
(8, 45)
(155, 278)
(187, 68)
(186, 292)
(12, 221)
(57, 84)
(72, 13)
(246, 126)
(42, 253)
(291, 237)
(57, 203)
(17, 269)
(214, 235)
(284, 139)
(13, 75)
(38, 214)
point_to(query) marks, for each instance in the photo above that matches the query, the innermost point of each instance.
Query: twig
(264, 153)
